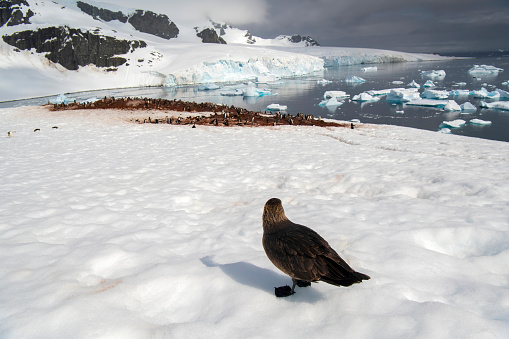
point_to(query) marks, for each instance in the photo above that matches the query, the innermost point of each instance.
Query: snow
(116, 230)
(485, 69)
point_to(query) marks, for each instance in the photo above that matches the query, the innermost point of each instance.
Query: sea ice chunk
(323, 82)
(452, 106)
(485, 69)
(434, 74)
(276, 107)
(355, 79)
(381, 92)
(502, 93)
(60, 99)
(365, 97)
(331, 102)
(435, 94)
(335, 94)
(503, 105)
(414, 84)
(480, 122)
(428, 102)
(232, 92)
(208, 87)
(459, 92)
(484, 94)
(403, 95)
(369, 69)
(454, 124)
(468, 107)
(428, 83)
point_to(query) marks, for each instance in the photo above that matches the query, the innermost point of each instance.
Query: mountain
(54, 46)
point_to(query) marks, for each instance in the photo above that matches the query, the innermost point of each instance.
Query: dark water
(302, 95)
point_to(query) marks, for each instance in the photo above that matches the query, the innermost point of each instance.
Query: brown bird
(302, 253)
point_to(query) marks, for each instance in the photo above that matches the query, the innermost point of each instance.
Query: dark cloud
(406, 25)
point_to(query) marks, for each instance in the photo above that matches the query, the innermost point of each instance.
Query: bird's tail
(353, 278)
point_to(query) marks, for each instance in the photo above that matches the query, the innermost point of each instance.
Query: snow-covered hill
(49, 47)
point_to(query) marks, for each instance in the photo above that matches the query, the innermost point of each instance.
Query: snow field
(116, 230)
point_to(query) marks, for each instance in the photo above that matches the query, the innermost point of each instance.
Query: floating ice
(414, 84)
(323, 82)
(505, 83)
(381, 92)
(365, 97)
(232, 93)
(397, 82)
(61, 99)
(335, 94)
(445, 130)
(434, 74)
(454, 124)
(430, 103)
(252, 91)
(485, 69)
(276, 107)
(355, 79)
(331, 102)
(503, 94)
(502, 105)
(452, 106)
(370, 69)
(435, 94)
(484, 94)
(460, 84)
(468, 107)
(208, 87)
(480, 122)
(459, 92)
(403, 95)
(428, 83)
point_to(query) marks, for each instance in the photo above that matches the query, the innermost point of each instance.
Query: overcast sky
(404, 25)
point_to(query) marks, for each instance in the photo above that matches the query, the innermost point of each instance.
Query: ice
(468, 107)
(434, 103)
(403, 95)
(232, 92)
(454, 124)
(208, 87)
(116, 230)
(502, 105)
(435, 94)
(370, 69)
(331, 102)
(480, 122)
(382, 92)
(61, 99)
(452, 106)
(364, 96)
(459, 92)
(323, 82)
(484, 94)
(414, 84)
(461, 84)
(276, 107)
(428, 83)
(354, 79)
(252, 91)
(485, 69)
(433, 74)
(505, 83)
(335, 94)
(503, 94)
(398, 82)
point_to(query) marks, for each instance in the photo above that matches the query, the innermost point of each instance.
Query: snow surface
(116, 230)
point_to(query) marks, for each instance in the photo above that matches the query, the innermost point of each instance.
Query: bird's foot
(283, 291)
(303, 283)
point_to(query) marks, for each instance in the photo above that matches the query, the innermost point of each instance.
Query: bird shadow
(262, 279)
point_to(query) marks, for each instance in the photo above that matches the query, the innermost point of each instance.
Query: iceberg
(61, 99)
(485, 69)
(232, 93)
(381, 92)
(480, 122)
(252, 91)
(445, 130)
(355, 79)
(505, 83)
(428, 83)
(335, 94)
(503, 94)
(331, 102)
(502, 105)
(323, 82)
(435, 94)
(468, 107)
(397, 82)
(414, 84)
(276, 107)
(454, 124)
(452, 106)
(365, 97)
(484, 94)
(459, 92)
(403, 95)
(208, 87)
(434, 74)
(370, 69)
(460, 84)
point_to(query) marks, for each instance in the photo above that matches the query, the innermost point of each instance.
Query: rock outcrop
(209, 35)
(152, 23)
(13, 12)
(101, 13)
(309, 41)
(73, 48)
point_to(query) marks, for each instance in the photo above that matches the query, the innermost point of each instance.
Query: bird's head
(273, 212)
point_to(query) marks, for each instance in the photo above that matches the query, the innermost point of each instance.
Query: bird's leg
(302, 283)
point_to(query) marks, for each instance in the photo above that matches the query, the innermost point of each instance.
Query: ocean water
(302, 95)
